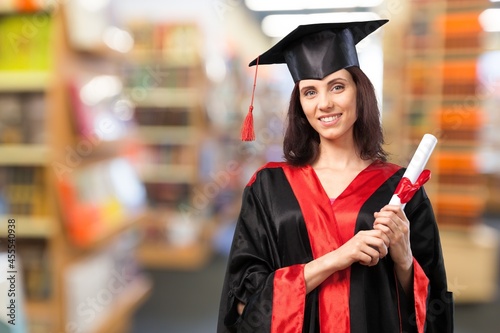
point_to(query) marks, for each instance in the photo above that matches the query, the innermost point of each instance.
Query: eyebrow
(336, 79)
(329, 83)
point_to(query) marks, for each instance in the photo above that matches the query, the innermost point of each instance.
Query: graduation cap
(312, 52)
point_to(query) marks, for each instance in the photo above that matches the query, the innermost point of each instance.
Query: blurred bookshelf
(442, 42)
(166, 79)
(24, 148)
(23, 81)
(69, 184)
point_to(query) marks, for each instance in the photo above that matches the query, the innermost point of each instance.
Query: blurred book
(36, 271)
(163, 116)
(99, 107)
(100, 198)
(21, 118)
(95, 285)
(22, 191)
(25, 42)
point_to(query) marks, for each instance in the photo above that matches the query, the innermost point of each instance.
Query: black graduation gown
(287, 220)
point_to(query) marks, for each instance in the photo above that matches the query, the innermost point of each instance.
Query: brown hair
(301, 141)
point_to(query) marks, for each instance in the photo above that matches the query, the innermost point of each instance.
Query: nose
(324, 102)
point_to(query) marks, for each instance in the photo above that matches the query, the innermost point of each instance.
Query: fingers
(375, 238)
(383, 235)
(370, 246)
(396, 210)
(393, 219)
(368, 260)
(371, 256)
(385, 223)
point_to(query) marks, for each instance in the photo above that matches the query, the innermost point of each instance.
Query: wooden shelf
(185, 135)
(40, 314)
(473, 190)
(451, 5)
(124, 306)
(192, 254)
(458, 53)
(30, 226)
(24, 81)
(150, 55)
(101, 51)
(468, 5)
(424, 54)
(422, 98)
(190, 257)
(39, 309)
(28, 154)
(12, 7)
(5, 9)
(100, 150)
(177, 174)
(166, 97)
(459, 144)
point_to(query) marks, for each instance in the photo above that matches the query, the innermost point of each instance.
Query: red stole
(325, 233)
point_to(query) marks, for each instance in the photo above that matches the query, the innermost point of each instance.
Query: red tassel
(247, 131)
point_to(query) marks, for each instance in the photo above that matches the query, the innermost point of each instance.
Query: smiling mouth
(328, 119)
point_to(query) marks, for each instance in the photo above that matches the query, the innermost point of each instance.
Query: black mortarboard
(316, 50)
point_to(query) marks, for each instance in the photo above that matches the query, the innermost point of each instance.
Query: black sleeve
(426, 248)
(250, 271)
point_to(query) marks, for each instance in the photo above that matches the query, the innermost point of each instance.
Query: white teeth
(330, 118)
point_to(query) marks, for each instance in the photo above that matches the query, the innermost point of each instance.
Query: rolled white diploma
(417, 163)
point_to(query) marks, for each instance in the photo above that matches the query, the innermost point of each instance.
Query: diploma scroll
(415, 175)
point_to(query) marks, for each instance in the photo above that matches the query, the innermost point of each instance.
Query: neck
(339, 155)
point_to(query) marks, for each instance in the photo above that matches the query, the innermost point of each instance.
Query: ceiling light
(489, 19)
(99, 88)
(118, 39)
(94, 5)
(266, 5)
(280, 25)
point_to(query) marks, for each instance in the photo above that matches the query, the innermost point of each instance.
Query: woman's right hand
(366, 247)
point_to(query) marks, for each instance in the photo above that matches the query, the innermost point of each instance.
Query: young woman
(316, 247)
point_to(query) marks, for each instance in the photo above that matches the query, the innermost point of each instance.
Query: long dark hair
(301, 141)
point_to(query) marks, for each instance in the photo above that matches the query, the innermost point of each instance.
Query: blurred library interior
(122, 169)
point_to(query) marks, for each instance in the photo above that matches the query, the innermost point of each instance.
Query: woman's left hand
(393, 222)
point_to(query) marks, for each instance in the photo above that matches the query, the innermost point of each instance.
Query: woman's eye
(309, 93)
(337, 87)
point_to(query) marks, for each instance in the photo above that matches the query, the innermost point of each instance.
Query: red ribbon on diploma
(406, 189)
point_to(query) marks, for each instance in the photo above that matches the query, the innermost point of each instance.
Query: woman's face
(330, 104)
